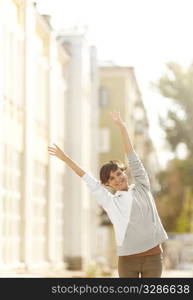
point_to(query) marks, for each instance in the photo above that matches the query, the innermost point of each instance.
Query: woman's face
(118, 180)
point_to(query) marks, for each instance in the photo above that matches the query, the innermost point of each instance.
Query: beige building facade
(25, 210)
(48, 94)
(27, 240)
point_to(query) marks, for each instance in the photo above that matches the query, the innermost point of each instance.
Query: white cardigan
(119, 207)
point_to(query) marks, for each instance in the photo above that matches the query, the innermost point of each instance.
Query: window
(39, 213)
(103, 97)
(104, 140)
(139, 113)
(11, 204)
(60, 215)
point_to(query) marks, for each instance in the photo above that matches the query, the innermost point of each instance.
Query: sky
(144, 34)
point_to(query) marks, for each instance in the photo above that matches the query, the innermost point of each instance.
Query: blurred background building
(33, 97)
(52, 89)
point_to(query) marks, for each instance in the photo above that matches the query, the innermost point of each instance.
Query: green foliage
(177, 85)
(175, 200)
(184, 223)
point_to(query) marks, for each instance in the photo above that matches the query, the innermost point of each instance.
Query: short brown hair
(106, 169)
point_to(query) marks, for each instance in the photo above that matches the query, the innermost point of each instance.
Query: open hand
(56, 151)
(116, 117)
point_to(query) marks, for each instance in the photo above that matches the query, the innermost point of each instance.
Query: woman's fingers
(56, 146)
(52, 153)
(115, 116)
(51, 150)
(55, 150)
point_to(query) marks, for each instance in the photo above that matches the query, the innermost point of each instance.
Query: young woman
(132, 210)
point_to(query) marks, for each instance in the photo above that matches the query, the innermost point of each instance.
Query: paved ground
(177, 273)
(74, 274)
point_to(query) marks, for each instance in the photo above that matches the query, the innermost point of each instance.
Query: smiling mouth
(120, 183)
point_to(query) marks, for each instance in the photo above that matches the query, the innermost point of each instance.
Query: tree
(184, 223)
(170, 197)
(177, 85)
(175, 200)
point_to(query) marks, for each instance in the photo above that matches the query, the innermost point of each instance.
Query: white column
(51, 175)
(1, 139)
(74, 138)
(28, 133)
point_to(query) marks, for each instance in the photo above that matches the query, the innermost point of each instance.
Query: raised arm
(56, 151)
(123, 130)
(137, 169)
(104, 197)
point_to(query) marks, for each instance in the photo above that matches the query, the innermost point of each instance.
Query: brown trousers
(141, 266)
